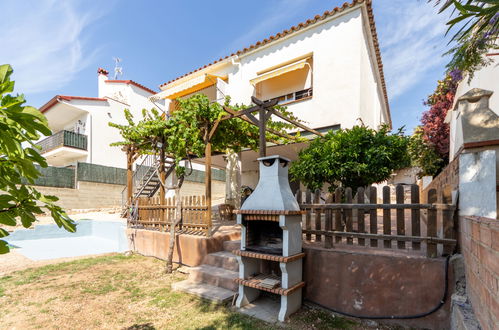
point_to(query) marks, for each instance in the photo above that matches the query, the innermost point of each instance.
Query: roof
(131, 82)
(302, 25)
(53, 101)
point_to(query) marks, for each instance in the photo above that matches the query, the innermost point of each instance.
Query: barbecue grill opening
(264, 237)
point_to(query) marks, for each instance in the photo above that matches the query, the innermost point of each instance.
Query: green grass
(125, 292)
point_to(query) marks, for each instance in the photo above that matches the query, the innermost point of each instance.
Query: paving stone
(213, 293)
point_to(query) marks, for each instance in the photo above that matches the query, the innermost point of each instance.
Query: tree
(20, 125)
(184, 134)
(355, 157)
(477, 22)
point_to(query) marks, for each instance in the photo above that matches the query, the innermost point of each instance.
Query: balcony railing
(64, 139)
(295, 96)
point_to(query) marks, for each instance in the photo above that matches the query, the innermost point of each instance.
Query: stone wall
(190, 188)
(93, 195)
(87, 195)
(480, 248)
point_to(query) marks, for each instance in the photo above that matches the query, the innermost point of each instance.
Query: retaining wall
(87, 195)
(189, 249)
(378, 284)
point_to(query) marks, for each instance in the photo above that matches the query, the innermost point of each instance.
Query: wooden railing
(149, 213)
(346, 219)
(64, 139)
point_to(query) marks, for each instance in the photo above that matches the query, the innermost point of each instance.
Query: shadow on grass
(144, 326)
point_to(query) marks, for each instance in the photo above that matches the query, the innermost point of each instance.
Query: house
(327, 71)
(80, 124)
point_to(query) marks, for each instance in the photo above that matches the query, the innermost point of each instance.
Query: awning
(280, 71)
(190, 86)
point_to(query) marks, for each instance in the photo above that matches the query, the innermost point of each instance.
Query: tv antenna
(118, 70)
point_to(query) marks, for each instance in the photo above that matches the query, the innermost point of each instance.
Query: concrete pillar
(477, 184)
(233, 180)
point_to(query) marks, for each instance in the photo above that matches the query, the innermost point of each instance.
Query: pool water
(50, 242)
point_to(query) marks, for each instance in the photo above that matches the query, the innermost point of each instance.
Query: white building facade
(327, 71)
(80, 125)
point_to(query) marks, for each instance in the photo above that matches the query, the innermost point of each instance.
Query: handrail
(63, 138)
(143, 174)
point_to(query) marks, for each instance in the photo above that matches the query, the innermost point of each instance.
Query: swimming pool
(51, 242)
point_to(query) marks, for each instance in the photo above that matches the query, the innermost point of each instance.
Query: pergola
(264, 109)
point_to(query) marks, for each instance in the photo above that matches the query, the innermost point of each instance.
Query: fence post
(338, 225)
(348, 214)
(431, 248)
(328, 224)
(399, 193)
(387, 221)
(415, 216)
(318, 225)
(448, 223)
(361, 226)
(373, 217)
(308, 215)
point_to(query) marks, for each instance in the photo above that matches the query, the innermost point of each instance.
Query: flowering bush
(435, 130)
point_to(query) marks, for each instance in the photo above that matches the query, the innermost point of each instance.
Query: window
(292, 81)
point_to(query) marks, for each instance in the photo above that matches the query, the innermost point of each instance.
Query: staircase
(214, 278)
(145, 178)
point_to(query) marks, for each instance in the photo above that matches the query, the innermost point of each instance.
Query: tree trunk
(173, 230)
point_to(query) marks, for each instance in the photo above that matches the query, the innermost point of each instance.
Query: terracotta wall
(378, 284)
(480, 248)
(189, 249)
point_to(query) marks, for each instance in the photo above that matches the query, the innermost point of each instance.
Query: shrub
(355, 157)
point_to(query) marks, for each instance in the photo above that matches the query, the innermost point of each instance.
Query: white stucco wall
(343, 77)
(486, 78)
(96, 115)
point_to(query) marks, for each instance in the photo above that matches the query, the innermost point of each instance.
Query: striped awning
(280, 71)
(190, 86)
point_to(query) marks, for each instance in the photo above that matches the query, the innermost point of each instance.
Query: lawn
(122, 292)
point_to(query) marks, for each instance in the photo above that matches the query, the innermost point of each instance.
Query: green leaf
(5, 72)
(4, 248)
(3, 233)
(7, 218)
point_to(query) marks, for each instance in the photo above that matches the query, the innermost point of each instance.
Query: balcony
(63, 139)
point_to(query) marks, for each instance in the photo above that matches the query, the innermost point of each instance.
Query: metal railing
(143, 173)
(64, 139)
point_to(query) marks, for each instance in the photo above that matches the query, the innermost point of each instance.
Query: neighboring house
(80, 124)
(327, 71)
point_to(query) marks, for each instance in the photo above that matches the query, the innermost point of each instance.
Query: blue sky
(56, 47)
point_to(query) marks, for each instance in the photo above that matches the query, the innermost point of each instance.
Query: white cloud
(275, 14)
(44, 42)
(412, 42)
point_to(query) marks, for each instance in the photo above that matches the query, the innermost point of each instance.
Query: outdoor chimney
(270, 258)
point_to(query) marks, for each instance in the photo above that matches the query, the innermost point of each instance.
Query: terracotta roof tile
(131, 82)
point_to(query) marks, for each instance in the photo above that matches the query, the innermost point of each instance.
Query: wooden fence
(151, 214)
(404, 223)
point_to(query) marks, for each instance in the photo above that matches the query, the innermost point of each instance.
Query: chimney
(102, 76)
(272, 191)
